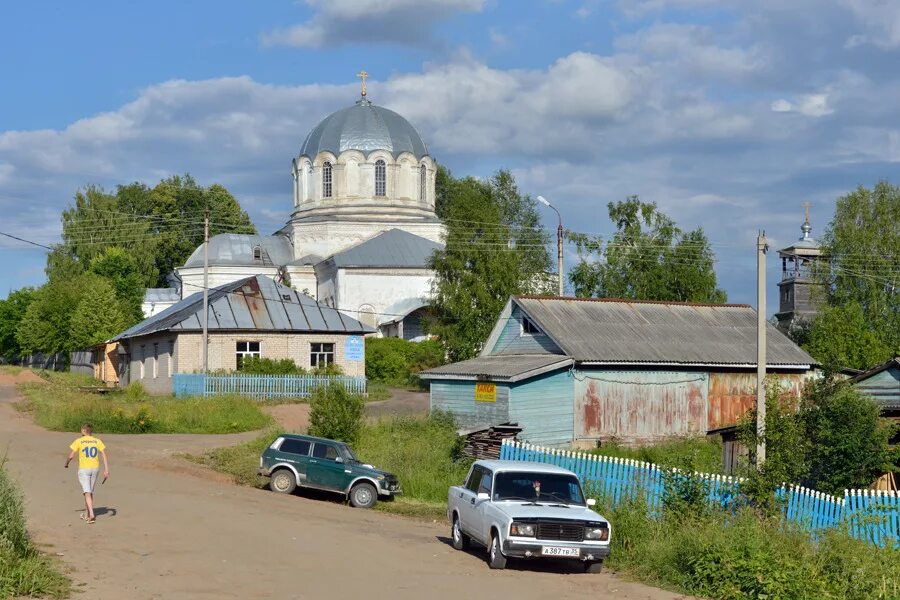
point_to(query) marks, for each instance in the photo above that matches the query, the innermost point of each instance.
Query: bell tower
(798, 286)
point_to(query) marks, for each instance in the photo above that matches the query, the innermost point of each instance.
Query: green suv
(324, 464)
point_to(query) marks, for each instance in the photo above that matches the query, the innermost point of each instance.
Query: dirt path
(162, 532)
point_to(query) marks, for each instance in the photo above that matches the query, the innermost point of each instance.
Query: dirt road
(166, 529)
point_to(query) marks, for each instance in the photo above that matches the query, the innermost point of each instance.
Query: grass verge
(737, 555)
(23, 570)
(62, 406)
(694, 453)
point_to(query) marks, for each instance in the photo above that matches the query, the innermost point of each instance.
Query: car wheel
(497, 560)
(283, 482)
(363, 495)
(460, 540)
(593, 566)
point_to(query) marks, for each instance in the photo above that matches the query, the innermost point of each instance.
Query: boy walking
(89, 450)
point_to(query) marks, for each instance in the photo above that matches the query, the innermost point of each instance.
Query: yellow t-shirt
(88, 448)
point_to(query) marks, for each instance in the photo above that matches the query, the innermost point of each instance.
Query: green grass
(695, 453)
(61, 406)
(239, 462)
(23, 570)
(11, 370)
(740, 555)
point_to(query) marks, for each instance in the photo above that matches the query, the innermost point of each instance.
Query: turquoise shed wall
(544, 407)
(883, 387)
(458, 398)
(513, 341)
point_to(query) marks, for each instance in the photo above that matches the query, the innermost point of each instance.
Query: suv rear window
(290, 446)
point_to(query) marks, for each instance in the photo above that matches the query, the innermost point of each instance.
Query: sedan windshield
(538, 487)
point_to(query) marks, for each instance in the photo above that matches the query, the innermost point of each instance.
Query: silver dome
(364, 127)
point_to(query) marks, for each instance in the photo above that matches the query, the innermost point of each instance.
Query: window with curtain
(326, 180)
(380, 178)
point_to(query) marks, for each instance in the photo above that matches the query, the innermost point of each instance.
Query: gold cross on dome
(362, 75)
(806, 205)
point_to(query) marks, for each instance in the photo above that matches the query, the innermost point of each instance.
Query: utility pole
(761, 247)
(206, 294)
(559, 246)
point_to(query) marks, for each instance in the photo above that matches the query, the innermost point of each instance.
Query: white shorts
(88, 478)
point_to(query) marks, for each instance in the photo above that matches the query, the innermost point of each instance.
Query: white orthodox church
(361, 232)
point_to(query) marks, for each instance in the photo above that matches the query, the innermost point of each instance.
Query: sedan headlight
(522, 529)
(596, 533)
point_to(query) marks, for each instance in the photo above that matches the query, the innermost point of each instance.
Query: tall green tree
(485, 259)
(12, 311)
(97, 316)
(120, 268)
(46, 326)
(860, 324)
(648, 258)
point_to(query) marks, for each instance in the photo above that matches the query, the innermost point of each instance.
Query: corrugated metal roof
(364, 127)
(393, 248)
(883, 387)
(508, 367)
(235, 249)
(251, 304)
(624, 331)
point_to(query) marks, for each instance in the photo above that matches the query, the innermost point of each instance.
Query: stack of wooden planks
(485, 442)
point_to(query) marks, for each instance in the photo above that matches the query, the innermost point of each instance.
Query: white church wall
(330, 237)
(379, 289)
(192, 277)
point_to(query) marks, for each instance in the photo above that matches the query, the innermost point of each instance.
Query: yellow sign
(485, 392)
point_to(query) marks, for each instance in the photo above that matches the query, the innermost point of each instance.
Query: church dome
(364, 127)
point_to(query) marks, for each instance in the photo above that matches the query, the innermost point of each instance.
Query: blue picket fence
(871, 515)
(261, 387)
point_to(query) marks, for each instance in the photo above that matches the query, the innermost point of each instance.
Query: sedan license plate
(560, 551)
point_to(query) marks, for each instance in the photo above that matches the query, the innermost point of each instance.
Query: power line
(9, 235)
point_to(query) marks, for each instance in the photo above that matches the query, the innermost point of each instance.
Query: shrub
(335, 413)
(396, 361)
(848, 441)
(253, 365)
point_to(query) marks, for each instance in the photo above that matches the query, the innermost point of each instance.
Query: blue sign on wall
(354, 348)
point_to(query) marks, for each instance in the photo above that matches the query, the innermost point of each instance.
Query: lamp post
(559, 243)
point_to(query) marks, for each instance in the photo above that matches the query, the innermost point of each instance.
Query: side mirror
(482, 496)
(591, 502)
(339, 459)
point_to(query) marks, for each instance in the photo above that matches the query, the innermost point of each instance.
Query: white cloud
(810, 105)
(339, 22)
(880, 20)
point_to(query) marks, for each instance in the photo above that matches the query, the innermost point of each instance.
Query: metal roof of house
(883, 388)
(394, 248)
(634, 332)
(251, 304)
(237, 249)
(503, 367)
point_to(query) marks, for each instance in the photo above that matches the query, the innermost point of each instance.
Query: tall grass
(696, 453)
(737, 555)
(61, 407)
(422, 452)
(23, 570)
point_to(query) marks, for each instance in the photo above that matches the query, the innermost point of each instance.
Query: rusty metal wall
(731, 395)
(638, 407)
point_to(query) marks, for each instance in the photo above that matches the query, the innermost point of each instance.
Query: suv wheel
(497, 560)
(283, 481)
(363, 495)
(460, 540)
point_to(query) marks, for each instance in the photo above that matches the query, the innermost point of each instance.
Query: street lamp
(559, 243)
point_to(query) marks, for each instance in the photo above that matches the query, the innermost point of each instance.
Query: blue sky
(728, 113)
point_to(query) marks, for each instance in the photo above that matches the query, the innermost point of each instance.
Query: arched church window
(422, 175)
(326, 180)
(380, 178)
(257, 253)
(367, 315)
